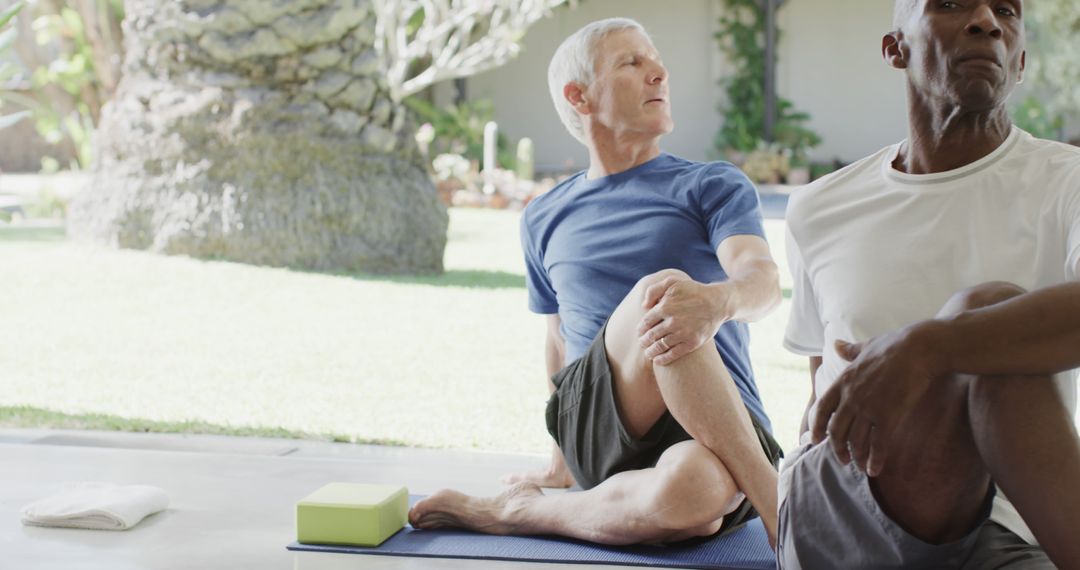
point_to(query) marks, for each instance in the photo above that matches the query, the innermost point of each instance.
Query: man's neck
(609, 155)
(946, 137)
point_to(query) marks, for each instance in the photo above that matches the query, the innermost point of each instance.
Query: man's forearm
(1034, 333)
(751, 294)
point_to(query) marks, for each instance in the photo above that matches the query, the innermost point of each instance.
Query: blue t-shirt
(588, 242)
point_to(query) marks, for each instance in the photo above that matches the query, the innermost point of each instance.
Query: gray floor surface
(231, 499)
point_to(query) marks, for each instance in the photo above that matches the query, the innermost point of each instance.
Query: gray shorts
(829, 518)
(583, 418)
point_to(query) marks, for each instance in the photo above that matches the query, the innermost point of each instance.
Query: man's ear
(892, 50)
(575, 94)
(1023, 66)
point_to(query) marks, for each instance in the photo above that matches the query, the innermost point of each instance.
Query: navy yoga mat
(744, 549)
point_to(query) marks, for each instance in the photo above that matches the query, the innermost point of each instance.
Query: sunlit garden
(273, 220)
(102, 339)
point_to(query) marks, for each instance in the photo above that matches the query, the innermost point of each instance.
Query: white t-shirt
(873, 249)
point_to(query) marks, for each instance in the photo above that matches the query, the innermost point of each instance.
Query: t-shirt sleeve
(805, 333)
(1071, 223)
(729, 203)
(541, 294)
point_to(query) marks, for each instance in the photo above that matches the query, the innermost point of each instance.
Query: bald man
(937, 297)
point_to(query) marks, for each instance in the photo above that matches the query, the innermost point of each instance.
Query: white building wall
(682, 32)
(830, 66)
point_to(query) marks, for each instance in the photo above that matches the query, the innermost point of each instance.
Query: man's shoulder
(545, 202)
(710, 167)
(700, 178)
(1057, 158)
(1050, 146)
(814, 209)
(868, 166)
(852, 177)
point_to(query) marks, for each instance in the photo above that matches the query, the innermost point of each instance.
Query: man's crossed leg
(693, 484)
(932, 500)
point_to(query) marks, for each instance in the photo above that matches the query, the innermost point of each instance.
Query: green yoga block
(351, 514)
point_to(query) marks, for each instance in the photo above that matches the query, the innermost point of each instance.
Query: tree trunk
(260, 131)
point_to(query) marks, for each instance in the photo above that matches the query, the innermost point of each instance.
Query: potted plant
(792, 134)
(740, 140)
(768, 164)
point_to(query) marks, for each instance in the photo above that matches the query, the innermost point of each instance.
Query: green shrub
(741, 37)
(1035, 117)
(459, 129)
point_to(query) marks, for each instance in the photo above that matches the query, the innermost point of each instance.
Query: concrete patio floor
(231, 499)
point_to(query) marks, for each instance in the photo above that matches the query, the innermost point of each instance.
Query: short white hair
(575, 61)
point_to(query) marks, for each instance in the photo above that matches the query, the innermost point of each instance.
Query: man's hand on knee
(862, 411)
(680, 315)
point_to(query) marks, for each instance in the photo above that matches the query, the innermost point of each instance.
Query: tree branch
(447, 44)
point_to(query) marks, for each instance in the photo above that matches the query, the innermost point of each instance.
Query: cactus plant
(525, 164)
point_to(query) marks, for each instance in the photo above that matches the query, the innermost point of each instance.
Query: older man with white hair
(648, 267)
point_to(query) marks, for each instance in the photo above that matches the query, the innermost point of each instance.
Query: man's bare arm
(556, 474)
(752, 290)
(1034, 333)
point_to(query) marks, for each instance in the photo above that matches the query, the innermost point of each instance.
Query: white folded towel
(100, 506)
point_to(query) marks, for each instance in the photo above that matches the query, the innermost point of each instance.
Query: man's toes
(419, 522)
(420, 510)
(420, 518)
(436, 520)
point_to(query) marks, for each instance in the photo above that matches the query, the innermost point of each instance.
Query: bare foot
(493, 515)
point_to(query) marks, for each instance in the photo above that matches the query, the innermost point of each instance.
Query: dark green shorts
(583, 418)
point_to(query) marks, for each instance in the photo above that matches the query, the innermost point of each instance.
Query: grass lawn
(96, 338)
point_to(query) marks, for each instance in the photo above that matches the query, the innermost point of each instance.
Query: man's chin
(653, 129)
(977, 95)
(666, 127)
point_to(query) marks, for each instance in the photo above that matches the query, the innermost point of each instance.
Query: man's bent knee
(659, 276)
(637, 294)
(982, 295)
(637, 396)
(622, 338)
(987, 393)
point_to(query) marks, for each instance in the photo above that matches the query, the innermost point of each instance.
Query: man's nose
(984, 21)
(657, 74)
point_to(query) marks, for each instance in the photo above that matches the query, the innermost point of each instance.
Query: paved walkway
(231, 499)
